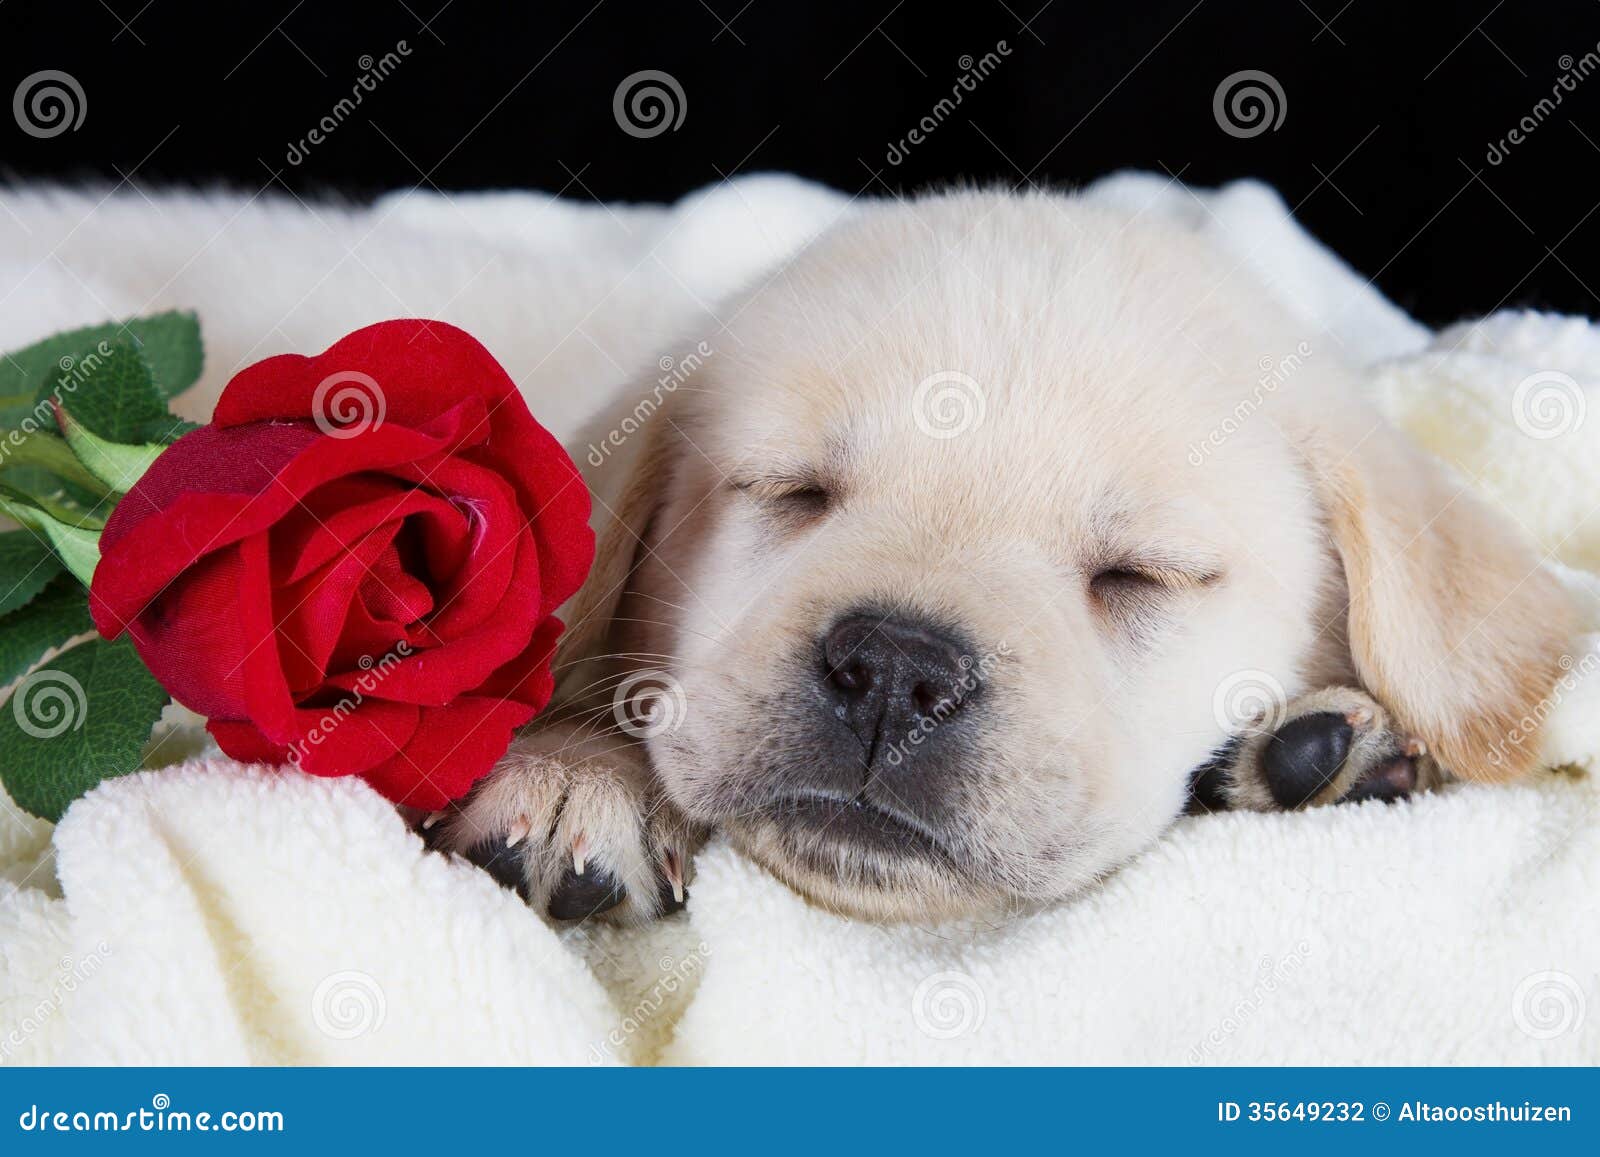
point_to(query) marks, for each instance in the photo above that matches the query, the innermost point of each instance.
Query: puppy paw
(1335, 745)
(577, 827)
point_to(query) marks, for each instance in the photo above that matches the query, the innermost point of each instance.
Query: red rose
(354, 567)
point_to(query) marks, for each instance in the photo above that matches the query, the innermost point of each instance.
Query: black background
(1390, 109)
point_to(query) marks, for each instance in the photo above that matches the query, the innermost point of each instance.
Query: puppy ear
(627, 465)
(1454, 624)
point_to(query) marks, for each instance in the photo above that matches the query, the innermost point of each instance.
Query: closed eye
(1152, 578)
(803, 496)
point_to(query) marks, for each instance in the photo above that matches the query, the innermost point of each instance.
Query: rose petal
(473, 579)
(331, 517)
(453, 747)
(209, 641)
(414, 363)
(214, 487)
(313, 613)
(528, 678)
(455, 666)
(340, 739)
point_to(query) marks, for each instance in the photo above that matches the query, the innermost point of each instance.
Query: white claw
(517, 832)
(674, 874)
(433, 818)
(1415, 748)
(580, 852)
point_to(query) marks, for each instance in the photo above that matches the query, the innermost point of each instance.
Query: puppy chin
(867, 883)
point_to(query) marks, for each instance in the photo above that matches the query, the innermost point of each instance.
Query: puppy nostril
(854, 678)
(926, 700)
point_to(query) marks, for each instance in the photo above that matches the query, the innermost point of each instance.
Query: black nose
(888, 675)
(1304, 755)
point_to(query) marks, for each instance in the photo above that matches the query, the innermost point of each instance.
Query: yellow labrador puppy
(988, 535)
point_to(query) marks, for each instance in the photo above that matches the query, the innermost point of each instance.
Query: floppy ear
(628, 486)
(1454, 624)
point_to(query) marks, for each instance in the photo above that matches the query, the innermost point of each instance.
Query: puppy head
(964, 542)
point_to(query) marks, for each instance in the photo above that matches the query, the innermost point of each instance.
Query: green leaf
(76, 538)
(69, 495)
(59, 614)
(116, 397)
(118, 465)
(46, 504)
(50, 454)
(169, 342)
(84, 717)
(26, 564)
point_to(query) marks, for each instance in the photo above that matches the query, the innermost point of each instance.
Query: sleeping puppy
(976, 531)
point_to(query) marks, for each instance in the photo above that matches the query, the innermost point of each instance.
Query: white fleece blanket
(214, 913)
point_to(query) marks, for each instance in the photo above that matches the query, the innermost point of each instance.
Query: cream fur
(1094, 349)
